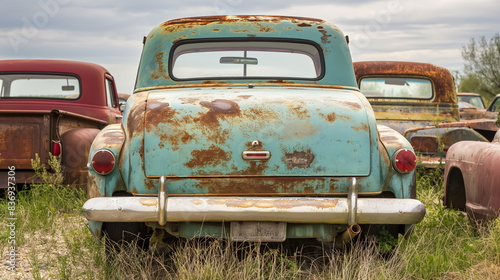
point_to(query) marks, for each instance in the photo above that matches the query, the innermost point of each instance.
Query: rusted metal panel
(204, 136)
(23, 136)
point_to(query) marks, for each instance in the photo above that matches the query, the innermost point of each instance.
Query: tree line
(482, 67)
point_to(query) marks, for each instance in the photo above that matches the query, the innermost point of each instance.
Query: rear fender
(402, 185)
(110, 138)
(75, 151)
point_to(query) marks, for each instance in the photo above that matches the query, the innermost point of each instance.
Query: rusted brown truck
(49, 106)
(419, 100)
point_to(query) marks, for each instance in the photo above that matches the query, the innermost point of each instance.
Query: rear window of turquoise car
(396, 87)
(246, 59)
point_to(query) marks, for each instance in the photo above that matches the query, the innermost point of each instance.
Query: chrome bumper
(351, 210)
(283, 209)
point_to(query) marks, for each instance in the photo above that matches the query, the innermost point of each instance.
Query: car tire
(455, 191)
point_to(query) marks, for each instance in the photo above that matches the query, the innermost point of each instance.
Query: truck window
(246, 59)
(110, 93)
(397, 87)
(40, 86)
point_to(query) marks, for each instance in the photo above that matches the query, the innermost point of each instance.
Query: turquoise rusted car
(250, 128)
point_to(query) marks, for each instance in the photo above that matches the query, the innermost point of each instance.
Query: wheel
(455, 191)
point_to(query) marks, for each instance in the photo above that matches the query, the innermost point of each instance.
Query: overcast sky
(110, 32)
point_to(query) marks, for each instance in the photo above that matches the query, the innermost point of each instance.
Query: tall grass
(55, 243)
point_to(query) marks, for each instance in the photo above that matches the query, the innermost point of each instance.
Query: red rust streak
(212, 156)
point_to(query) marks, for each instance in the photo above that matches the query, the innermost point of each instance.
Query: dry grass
(54, 243)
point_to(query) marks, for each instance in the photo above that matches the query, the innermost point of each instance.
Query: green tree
(482, 66)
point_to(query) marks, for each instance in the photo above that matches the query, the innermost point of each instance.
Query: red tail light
(103, 162)
(404, 161)
(56, 149)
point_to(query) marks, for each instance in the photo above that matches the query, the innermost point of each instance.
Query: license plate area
(258, 231)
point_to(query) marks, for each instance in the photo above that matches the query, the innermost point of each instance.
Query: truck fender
(75, 151)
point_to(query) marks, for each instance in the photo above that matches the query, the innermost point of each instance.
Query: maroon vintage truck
(52, 106)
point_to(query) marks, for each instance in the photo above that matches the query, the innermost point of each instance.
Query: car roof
(90, 75)
(43, 65)
(154, 69)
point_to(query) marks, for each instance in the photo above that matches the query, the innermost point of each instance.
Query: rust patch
(281, 82)
(179, 25)
(148, 201)
(159, 112)
(255, 168)
(281, 204)
(161, 70)
(330, 117)
(186, 137)
(196, 201)
(212, 156)
(324, 38)
(360, 127)
(214, 82)
(304, 25)
(216, 30)
(300, 112)
(298, 159)
(256, 185)
(149, 184)
(173, 140)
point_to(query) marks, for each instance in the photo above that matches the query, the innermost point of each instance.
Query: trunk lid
(231, 132)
